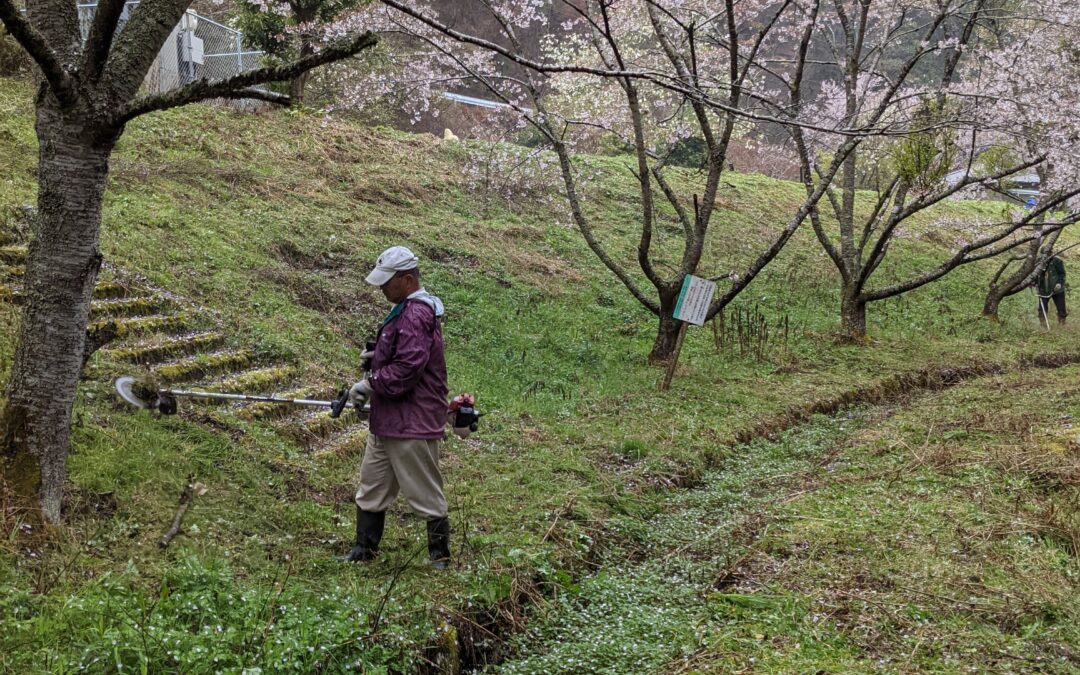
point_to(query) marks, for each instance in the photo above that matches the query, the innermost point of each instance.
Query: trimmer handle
(365, 364)
(339, 403)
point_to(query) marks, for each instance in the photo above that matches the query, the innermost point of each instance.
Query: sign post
(692, 307)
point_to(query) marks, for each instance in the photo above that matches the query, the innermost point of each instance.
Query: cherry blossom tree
(650, 73)
(88, 90)
(855, 83)
(901, 66)
(1025, 80)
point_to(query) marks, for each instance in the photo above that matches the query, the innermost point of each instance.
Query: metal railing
(197, 49)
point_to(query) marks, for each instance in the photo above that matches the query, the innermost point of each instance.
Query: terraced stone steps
(111, 290)
(128, 307)
(103, 290)
(313, 427)
(348, 442)
(156, 350)
(203, 365)
(146, 324)
(183, 349)
(275, 411)
(261, 380)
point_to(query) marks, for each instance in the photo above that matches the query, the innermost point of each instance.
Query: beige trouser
(409, 463)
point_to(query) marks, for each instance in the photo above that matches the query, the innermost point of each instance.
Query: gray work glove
(1057, 288)
(365, 359)
(360, 394)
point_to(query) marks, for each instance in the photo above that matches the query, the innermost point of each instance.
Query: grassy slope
(271, 220)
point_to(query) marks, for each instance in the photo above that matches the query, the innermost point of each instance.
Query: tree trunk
(1009, 287)
(299, 83)
(666, 336)
(853, 317)
(296, 88)
(1038, 252)
(993, 301)
(667, 332)
(61, 270)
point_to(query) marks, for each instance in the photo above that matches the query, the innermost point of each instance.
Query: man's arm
(416, 328)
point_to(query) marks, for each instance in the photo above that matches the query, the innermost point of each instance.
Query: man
(408, 395)
(1051, 284)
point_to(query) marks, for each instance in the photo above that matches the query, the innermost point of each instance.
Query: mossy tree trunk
(61, 270)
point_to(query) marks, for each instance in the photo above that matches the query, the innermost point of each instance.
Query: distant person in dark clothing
(1051, 284)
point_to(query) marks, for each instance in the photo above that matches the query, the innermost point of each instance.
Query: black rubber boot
(369, 531)
(438, 546)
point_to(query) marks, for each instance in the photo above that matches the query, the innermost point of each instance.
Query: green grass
(270, 221)
(651, 605)
(937, 537)
(942, 538)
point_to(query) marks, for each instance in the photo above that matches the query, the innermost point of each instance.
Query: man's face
(397, 289)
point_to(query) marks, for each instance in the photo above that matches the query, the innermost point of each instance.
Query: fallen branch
(191, 491)
(564, 510)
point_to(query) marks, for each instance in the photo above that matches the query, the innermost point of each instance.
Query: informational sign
(694, 298)
(691, 307)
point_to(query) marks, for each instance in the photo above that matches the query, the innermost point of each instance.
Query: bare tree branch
(138, 44)
(39, 50)
(877, 254)
(982, 249)
(586, 230)
(673, 199)
(648, 211)
(99, 43)
(951, 264)
(804, 211)
(883, 198)
(1005, 266)
(230, 88)
(541, 119)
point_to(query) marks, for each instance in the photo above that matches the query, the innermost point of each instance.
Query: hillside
(236, 247)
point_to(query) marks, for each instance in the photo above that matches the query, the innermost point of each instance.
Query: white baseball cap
(391, 261)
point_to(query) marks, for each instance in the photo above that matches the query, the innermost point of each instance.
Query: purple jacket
(409, 373)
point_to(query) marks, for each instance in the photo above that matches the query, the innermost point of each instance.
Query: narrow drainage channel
(648, 607)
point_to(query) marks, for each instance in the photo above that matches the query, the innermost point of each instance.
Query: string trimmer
(464, 415)
(140, 395)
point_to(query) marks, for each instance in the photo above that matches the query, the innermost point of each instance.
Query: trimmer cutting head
(140, 395)
(130, 390)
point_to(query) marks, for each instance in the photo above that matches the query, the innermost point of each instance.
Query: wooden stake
(674, 358)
